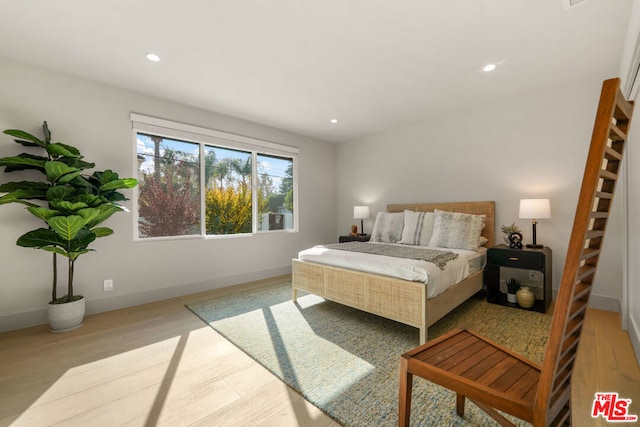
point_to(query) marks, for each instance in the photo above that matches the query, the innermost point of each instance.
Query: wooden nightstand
(531, 266)
(358, 238)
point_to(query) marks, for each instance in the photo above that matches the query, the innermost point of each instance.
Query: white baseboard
(634, 335)
(39, 317)
(599, 301)
(604, 303)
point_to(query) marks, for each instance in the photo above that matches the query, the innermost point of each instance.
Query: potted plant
(72, 205)
(512, 287)
(507, 230)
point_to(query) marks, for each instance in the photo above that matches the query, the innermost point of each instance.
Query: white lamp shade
(361, 212)
(535, 208)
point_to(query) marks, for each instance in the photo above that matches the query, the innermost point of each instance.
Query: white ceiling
(295, 64)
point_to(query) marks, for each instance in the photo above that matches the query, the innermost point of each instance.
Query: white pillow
(388, 227)
(455, 230)
(482, 241)
(418, 228)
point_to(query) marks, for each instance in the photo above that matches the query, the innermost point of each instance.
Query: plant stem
(55, 278)
(70, 289)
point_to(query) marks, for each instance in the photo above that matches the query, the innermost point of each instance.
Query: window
(201, 182)
(169, 187)
(228, 208)
(275, 192)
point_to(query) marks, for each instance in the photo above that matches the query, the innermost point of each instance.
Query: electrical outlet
(535, 276)
(108, 285)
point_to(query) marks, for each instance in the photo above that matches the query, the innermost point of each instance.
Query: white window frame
(204, 136)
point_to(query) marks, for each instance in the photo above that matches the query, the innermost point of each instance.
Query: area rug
(346, 361)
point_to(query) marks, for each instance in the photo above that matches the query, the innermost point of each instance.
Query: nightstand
(358, 238)
(531, 266)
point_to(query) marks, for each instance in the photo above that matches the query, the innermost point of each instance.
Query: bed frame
(396, 299)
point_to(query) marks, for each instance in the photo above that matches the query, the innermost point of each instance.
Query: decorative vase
(505, 237)
(66, 317)
(525, 297)
(511, 298)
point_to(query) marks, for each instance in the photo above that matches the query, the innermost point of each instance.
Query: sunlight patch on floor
(138, 384)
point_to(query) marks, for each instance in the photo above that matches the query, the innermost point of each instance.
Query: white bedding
(467, 263)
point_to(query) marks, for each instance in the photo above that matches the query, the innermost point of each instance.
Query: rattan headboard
(476, 208)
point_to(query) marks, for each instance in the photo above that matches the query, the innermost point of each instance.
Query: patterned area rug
(346, 361)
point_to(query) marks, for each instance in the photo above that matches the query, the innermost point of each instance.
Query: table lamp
(361, 213)
(535, 209)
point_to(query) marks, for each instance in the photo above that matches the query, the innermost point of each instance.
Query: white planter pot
(66, 317)
(511, 298)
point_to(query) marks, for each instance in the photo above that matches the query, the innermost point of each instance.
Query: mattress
(438, 280)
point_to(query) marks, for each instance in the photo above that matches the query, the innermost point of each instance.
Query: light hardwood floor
(158, 364)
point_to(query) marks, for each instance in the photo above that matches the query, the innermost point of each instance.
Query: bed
(395, 298)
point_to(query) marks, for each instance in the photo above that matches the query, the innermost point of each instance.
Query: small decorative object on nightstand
(512, 288)
(508, 229)
(515, 240)
(525, 297)
(358, 238)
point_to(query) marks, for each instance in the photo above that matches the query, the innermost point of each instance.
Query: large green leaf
(21, 196)
(102, 231)
(25, 138)
(113, 196)
(119, 183)
(82, 240)
(40, 238)
(60, 192)
(61, 150)
(106, 211)
(89, 214)
(23, 185)
(23, 161)
(105, 176)
(19, 192)
(76, 162)
(67, 207)
(56, 249)
(43, 213)
(57, 171)
(66, 179)
(67, 227)
(75, 254)
(90, 200)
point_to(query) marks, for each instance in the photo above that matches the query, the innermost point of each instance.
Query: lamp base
(534, 246)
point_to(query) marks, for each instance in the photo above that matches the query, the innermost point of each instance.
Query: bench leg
(404, 397)
(460, 404)
(294, 295)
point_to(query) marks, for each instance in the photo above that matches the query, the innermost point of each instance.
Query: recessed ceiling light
(334, 121)
(152, 57)
(489, 67)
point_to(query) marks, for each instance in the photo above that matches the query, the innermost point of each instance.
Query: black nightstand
(358, 238)
(531, 266)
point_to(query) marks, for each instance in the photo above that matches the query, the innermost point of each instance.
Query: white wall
(631, 290)
(530, 146)
(95, 118)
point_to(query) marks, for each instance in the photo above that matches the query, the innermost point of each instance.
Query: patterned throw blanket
(437, 257)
